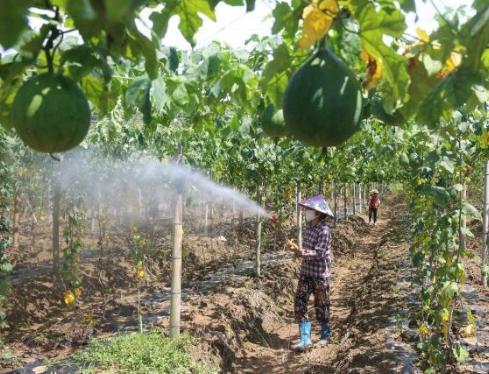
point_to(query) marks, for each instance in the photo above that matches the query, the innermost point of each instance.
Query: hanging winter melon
(272, 122)
(323, 101)
(50, 113)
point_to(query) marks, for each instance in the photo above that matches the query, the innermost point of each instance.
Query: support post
(485, 229)
(298, 214)
(176, 281)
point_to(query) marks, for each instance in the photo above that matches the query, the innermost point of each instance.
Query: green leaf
(374, 24)
(13, 21)
(234, 2)
(31, 42)
(478, 38)
(84, 17)
(160, 22)
(81, 60)
(190, 21)
(448, 291)
(285, 18)
(460, 353)
(96, 92)
(173, 60)
(447, 164)
(140, 43)
(274, 78)
(466, 232)
(452, 92)
(408, 5)
(440, 195)
(159, 96)
(471, 211)
(421, 85)
(178, 92)
(138, 95)
(116, 10)
(250, 5)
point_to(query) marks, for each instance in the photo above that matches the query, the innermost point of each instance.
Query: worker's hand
(298, 252)
(291, 246)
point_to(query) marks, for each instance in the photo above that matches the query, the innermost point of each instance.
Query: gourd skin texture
(272, 122)
(323, 101)
(50, 113)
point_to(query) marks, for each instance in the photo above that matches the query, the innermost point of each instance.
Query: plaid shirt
(317, 257)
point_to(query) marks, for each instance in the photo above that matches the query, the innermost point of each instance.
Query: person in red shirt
(373, 206)
(317, 258)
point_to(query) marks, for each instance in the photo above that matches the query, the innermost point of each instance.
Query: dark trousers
(320, 288)
(372, 212)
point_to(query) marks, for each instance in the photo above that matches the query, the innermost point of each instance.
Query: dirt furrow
(360, 309)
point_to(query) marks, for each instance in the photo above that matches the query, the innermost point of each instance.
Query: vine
(71, 255)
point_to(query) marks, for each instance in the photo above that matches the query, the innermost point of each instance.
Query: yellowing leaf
(424, 330)
(484, 140)
(469, 331)
(374, 70)
(139, 274)
(69, 298)
(451, 64)
(444, 329)
(329, 6)
(422, 35)
(318, 18)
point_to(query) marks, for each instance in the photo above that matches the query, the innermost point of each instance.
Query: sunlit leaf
(422, 35)
(116, 10)
(13, 21)
(318, 18)
(451, 64)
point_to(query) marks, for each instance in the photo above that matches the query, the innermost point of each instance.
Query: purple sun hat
(317, 203)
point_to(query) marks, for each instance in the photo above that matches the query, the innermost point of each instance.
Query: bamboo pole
(176, 281)
(332, 192)
(16, 219)
(345, 207)
(485, 227)
(335, 201)
(259, 226)
(360, 205)
(354, 198)
(55, 219)
(206, 219)
(298, 214)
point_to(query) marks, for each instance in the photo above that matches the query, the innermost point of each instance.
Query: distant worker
(373, 206)
(315, 271)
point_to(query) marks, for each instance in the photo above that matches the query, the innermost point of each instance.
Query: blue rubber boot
(325, 333)
(305, 337)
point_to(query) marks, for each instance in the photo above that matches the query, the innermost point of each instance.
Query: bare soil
(245, 324)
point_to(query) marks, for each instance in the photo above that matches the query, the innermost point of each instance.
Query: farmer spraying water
(315, 271)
